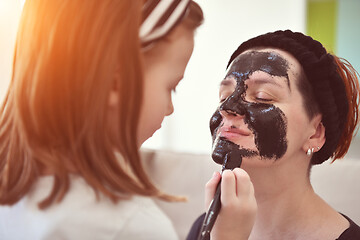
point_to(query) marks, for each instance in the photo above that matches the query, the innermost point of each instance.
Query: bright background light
(227, 24)
(10, 11)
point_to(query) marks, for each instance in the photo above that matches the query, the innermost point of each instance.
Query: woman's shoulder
(351, 233)
(195, 228)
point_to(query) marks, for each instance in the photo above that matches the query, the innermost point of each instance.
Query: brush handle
(231, 161)
(211, 215)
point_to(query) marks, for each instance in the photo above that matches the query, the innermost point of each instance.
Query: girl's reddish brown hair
(55, 118)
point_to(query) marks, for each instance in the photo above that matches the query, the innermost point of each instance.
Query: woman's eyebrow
(267, 81)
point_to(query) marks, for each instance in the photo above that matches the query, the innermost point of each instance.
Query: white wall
(348, 33)
(9, 18)
(227, 24)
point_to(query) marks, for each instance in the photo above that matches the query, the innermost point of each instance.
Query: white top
(80, 216)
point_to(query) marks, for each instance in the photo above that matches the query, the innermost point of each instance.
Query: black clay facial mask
(266, 121)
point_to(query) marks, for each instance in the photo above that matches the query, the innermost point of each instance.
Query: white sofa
(185, 174)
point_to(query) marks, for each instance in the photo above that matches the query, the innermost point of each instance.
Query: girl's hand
(238, 205)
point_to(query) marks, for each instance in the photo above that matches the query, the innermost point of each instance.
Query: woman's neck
(288, 208)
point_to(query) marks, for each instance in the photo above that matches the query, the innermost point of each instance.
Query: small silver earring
(308, 152)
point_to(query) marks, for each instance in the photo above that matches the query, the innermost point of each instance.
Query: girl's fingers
(210, 188)
(244, 186)
(228, 187)
(238, 206)
(235, 184)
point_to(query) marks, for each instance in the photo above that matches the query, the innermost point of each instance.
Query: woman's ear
(317, 137)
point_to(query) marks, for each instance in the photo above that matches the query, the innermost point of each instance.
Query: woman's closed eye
(263, 97)
(224, 95)
(223, 98)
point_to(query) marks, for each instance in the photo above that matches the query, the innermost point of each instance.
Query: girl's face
(261, 110)
(164, 67)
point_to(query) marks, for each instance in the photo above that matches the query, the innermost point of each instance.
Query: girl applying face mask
(92, 80)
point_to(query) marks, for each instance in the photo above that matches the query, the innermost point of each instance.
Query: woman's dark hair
(334, 81)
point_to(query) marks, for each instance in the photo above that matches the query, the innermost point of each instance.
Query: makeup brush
(232, 160)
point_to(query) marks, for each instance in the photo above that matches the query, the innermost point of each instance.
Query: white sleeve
(149, 223)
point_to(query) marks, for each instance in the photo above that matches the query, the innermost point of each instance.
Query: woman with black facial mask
(286, 104)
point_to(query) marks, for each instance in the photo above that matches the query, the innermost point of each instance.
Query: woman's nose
(227, 113)
(233, 105)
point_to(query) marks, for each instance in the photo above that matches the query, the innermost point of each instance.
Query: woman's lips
(231, 133)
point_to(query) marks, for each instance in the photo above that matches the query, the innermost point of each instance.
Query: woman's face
(164, 68)
(261, 110)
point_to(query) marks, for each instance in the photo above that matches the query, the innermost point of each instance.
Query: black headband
(321, 71)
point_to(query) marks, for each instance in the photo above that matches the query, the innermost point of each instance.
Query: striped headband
(159, 17)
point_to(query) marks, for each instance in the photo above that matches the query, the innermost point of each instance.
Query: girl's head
(321, 98)
(164, 65)
(78, 91)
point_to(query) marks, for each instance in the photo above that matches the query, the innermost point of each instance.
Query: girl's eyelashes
(172, 89)
(175, 84)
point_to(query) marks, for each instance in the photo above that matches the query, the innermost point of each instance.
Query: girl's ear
(317, 137)
(113, 100)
